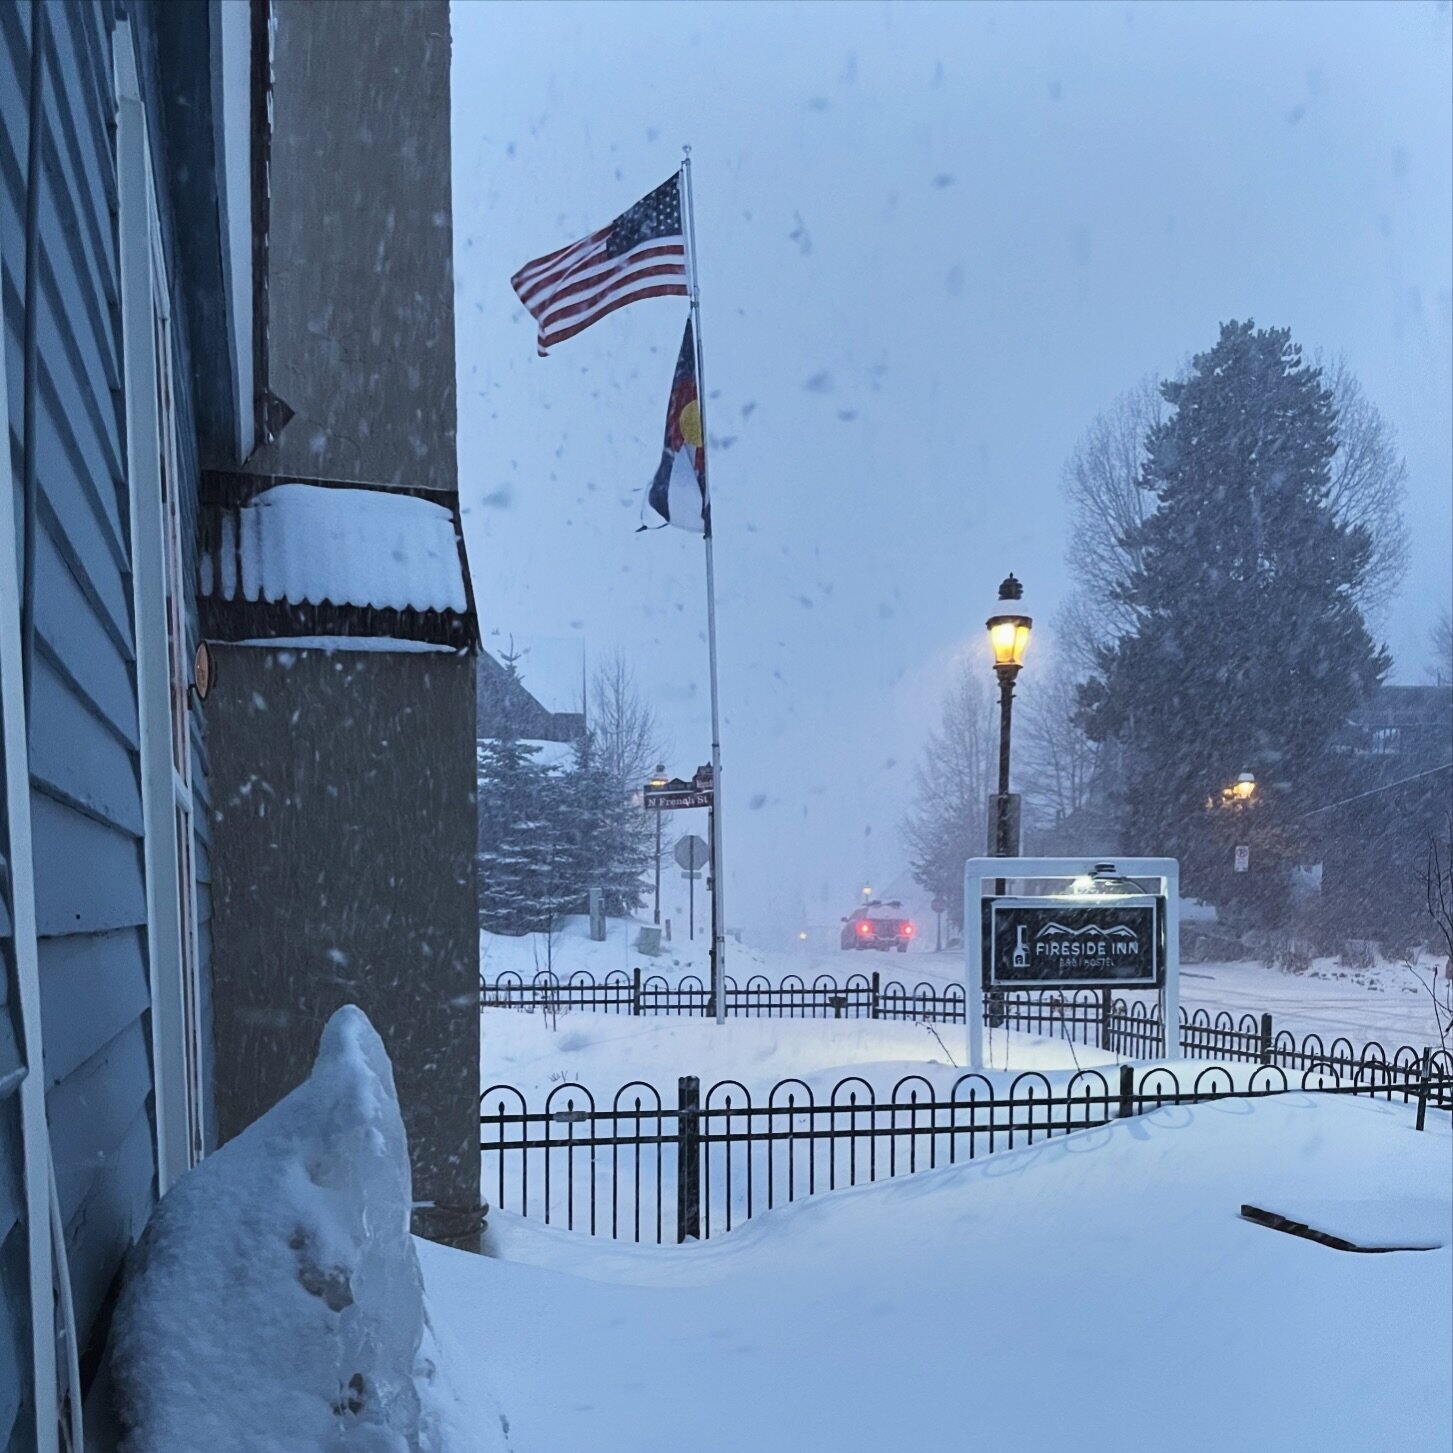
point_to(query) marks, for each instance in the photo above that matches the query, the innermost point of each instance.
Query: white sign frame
(978, 871)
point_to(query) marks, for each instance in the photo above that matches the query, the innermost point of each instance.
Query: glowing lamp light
(1009, 632)
(1245, 787)
(659, 777)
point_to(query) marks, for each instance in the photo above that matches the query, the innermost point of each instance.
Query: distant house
(1373, 840)
(237, 656)
(547, 701)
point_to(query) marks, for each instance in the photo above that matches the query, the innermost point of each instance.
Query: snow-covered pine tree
(607, 849)
(524, 878)
(1247, 649)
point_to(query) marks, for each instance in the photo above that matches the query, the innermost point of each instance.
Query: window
(163, 661)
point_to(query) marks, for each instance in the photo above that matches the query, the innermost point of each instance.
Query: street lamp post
(1009, 636)
(658, 780)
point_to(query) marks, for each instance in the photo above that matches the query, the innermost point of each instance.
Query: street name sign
(1077, 941)
(665, 800)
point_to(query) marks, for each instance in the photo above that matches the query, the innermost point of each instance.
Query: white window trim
(174, 1096)
(35, 1133)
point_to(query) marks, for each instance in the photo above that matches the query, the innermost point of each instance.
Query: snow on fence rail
(642, 1169)
(1124, 1026)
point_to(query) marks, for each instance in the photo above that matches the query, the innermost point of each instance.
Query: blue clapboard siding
(16, 1424)
(86, 811)
(85, 778)
(87, 820)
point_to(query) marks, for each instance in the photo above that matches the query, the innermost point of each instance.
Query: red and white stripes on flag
(642, 254)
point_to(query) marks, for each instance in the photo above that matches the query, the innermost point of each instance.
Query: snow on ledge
(275, 1300)
(310, 543)
(376, 645)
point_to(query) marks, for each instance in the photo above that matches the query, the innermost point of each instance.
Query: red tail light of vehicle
(906, 930)
(865, 928)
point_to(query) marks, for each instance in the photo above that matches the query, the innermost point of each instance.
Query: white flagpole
(718, 875)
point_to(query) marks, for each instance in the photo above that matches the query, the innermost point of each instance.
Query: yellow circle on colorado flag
(690, 421)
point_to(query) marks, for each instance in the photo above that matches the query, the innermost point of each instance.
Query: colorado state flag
(678, 492)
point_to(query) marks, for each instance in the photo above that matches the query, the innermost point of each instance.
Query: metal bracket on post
(688, 1159)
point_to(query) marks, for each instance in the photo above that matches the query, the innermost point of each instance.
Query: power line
(1386, 787)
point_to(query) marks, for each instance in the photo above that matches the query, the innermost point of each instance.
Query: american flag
(642, 254)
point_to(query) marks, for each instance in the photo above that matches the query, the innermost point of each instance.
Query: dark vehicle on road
(877, 925)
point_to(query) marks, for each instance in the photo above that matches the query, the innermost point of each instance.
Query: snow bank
(275, 1300)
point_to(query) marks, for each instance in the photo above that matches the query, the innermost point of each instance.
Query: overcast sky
(935, 241)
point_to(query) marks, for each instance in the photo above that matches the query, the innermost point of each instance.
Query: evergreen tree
(607, 850)
(1246, 649)
(524, 876)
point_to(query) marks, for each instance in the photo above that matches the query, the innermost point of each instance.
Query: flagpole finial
(686, 150)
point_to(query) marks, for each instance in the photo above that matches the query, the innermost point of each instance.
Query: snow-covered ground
(1095, 1292)
(1388, 1003)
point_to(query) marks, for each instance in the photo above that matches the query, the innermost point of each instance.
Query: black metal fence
(642, 1169)
(1128, 1027)
(861, 996)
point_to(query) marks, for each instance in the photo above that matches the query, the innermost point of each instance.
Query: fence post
(1424, 1087)
(1266, 1037)
(1127, 1091)
(688, 1159)
(1105, 1003)
(873, 1002)
(635, 991)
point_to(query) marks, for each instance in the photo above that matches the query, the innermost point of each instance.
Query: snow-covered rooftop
(552, 668)
(308, 543)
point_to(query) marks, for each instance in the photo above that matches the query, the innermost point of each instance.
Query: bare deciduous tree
(627, 744)
(1057, 760)
(1369, 481)
(1441, 637)
(627, 735)
(1107, 505)
(952, 783)
(1438, 884)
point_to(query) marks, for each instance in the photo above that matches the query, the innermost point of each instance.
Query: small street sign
(1243, 858)
(665, 799)
(1072, 943)
(679, 793)
(692, 852)
(939, 905)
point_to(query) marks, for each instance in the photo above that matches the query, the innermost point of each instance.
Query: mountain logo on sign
(1090, 930)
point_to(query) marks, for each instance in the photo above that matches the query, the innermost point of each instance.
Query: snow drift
(275, 1299)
